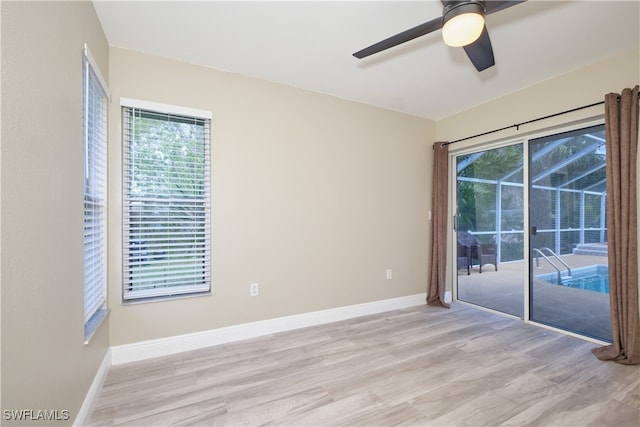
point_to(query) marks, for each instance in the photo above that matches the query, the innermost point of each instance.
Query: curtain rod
(517, 125)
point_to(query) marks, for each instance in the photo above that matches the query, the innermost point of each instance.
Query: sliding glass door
(561, 280)
(569, 286)
(489, 231)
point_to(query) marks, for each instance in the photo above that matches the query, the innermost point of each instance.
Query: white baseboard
(448, 297)
(164, 346)
(94, 390)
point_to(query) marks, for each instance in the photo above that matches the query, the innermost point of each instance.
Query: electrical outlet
(253, 289)
(389, 274)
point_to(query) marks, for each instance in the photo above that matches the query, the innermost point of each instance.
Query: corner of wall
(94, 391)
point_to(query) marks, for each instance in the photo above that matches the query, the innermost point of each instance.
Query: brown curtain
(440, 214)
(621, 124)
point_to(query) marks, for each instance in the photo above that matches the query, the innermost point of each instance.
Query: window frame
(161, 292)
(95, 100)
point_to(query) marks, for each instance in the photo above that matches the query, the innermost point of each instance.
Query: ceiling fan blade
(480, 51)
(405, 36)
(492, 6)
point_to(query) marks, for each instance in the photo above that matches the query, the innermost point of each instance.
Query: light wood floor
(423, 366)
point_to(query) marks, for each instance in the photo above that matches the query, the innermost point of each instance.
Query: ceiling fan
(462, 24)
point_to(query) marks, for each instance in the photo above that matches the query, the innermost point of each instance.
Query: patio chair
(471, 243)
(464, 258)
(482, 253)
(487, 254)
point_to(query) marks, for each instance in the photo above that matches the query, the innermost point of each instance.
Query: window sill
(92, 325)
(145, 300)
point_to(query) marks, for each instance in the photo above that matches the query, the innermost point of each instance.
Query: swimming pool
(593, 278)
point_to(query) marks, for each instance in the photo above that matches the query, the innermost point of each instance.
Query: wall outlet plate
(253, 289)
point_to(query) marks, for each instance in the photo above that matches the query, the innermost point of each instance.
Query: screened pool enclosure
(568, 190)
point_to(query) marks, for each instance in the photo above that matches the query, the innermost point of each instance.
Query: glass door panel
(490, 229)
(568, 272)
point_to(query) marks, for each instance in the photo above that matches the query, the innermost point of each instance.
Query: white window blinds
(95, 185)
(166, 206)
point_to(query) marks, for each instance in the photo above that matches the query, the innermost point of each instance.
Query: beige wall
(582, 87)
(313, 198)
(45, 364)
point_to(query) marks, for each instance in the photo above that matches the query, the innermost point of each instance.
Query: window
(95, 98)
(166, 206)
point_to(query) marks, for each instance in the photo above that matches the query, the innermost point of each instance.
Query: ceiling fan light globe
(462, 29)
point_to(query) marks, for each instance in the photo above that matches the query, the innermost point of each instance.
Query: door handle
(534, 230)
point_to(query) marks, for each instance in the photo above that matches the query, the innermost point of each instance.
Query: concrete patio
(576, 310)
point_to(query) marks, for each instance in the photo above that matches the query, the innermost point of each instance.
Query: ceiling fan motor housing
(455, 8)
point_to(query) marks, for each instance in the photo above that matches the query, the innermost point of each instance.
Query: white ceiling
(309, 45)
